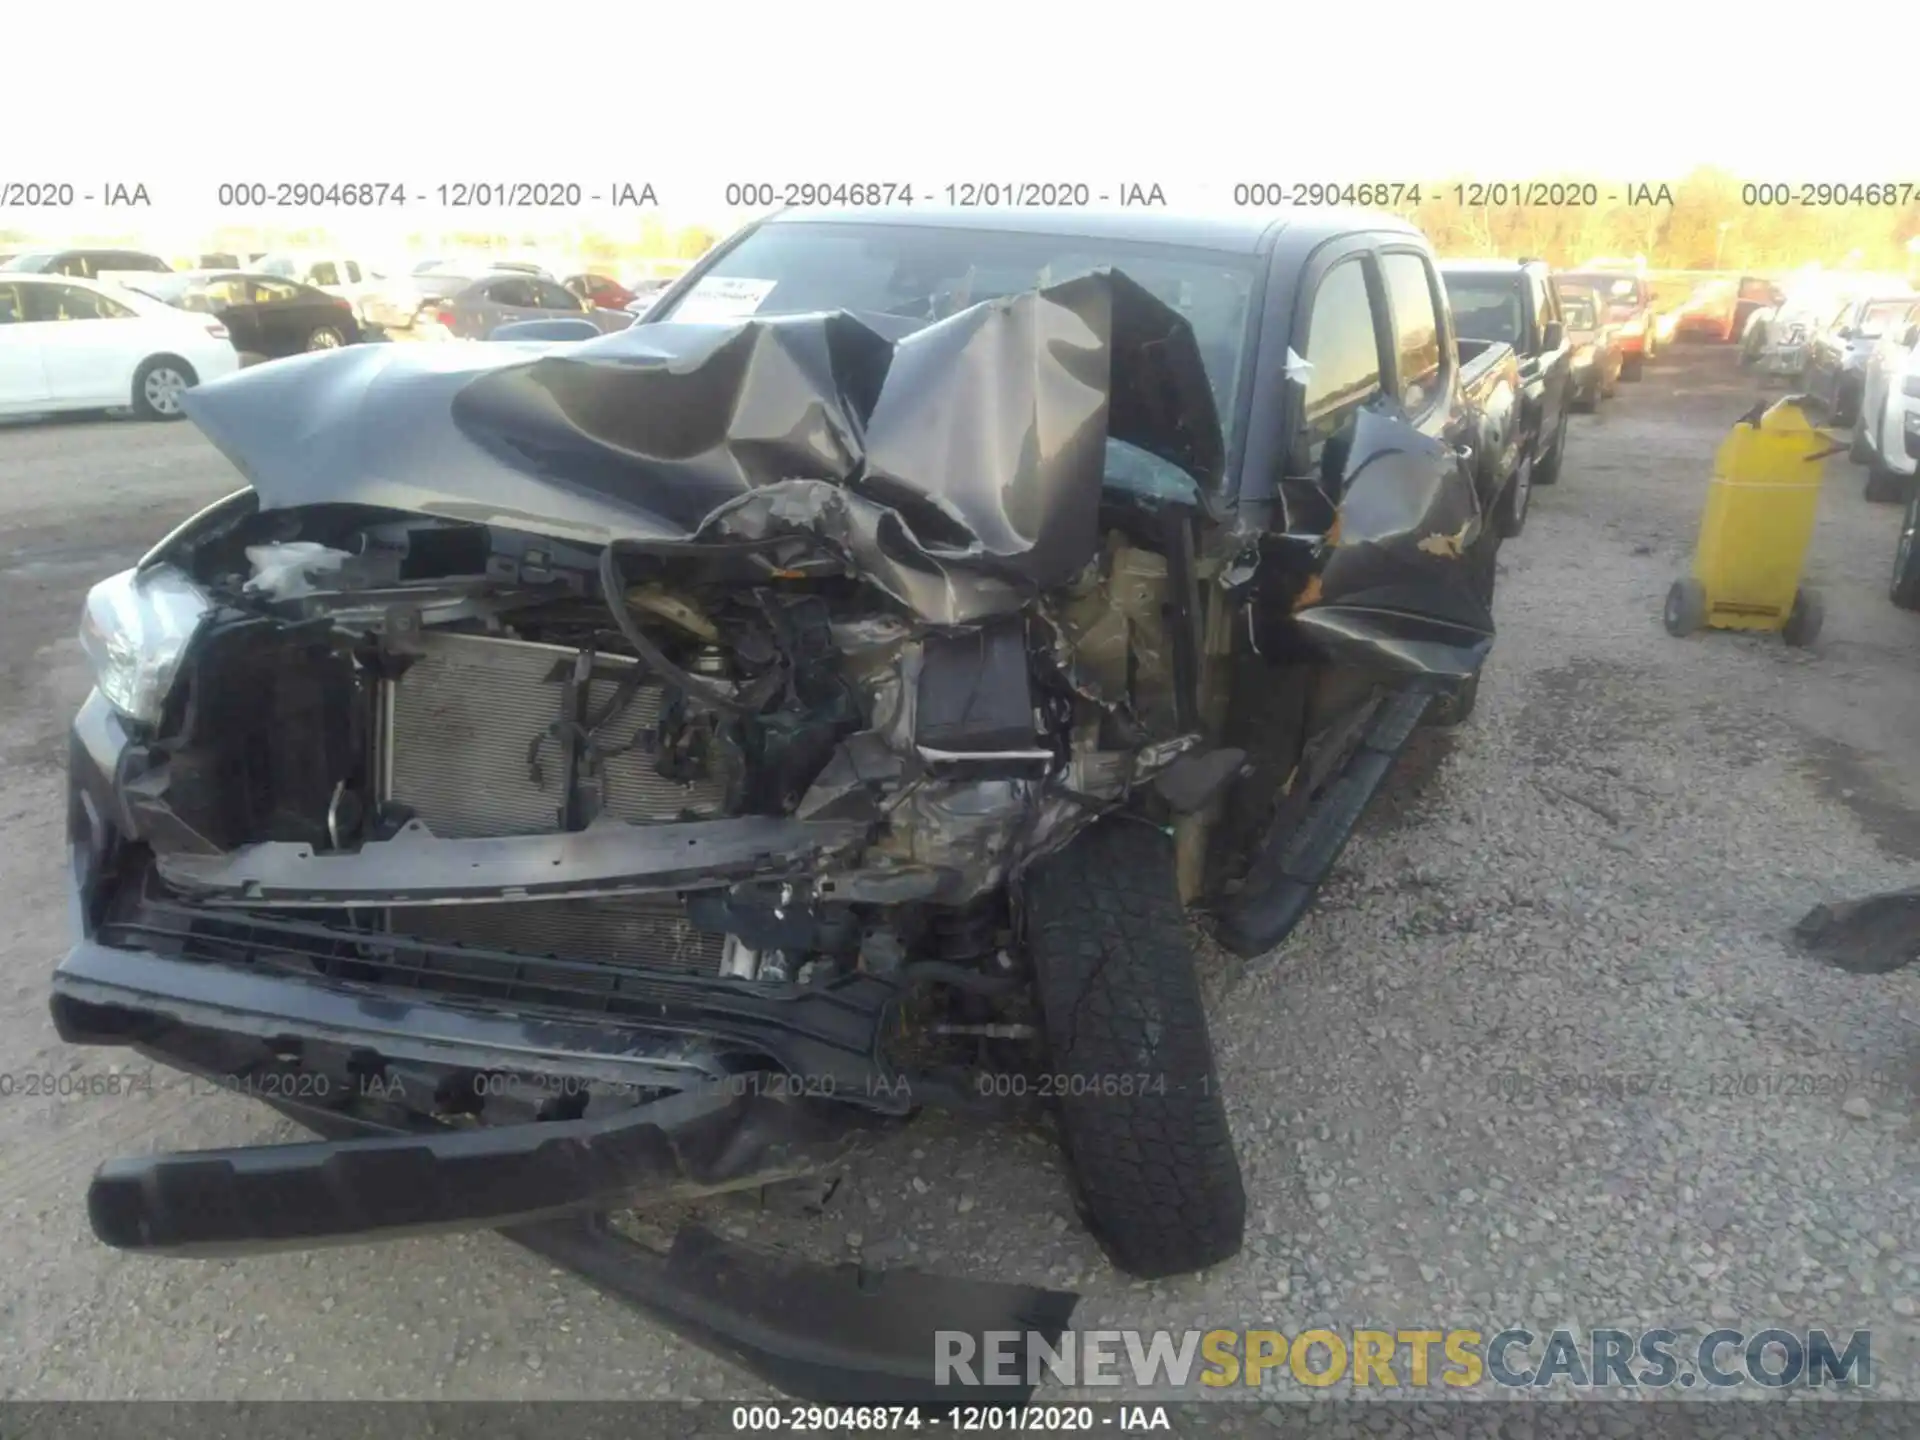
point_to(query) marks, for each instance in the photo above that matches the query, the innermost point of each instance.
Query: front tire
(325, 337)
(1157, 1179)
(158, 385)
(1510, 516)
(1884, 486)
(1905, 590)
(1547, 471)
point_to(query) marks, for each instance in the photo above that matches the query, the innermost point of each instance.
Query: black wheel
(1803, 621)
(1631, 366)
(1858, 451)
(1905, 590)
(1686, 609)
(158, 385)
(1587, 399)
(1141, 1116)
(1547, 471)
(1884, 486)
(1510, 515)
(325, 337)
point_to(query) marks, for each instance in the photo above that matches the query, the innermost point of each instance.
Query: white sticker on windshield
(1299, 370)
(723, 297)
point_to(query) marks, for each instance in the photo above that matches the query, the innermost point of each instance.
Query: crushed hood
(958, 466)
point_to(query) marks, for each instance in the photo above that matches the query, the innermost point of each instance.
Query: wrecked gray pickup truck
(571, 776)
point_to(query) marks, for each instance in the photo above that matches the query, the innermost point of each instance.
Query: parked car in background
(1595, 341)
(1837, 358)
(1707, 313)
(264, 314)
(470, 307)
(1512, 302)
(229, 259)
(601, 290)
(83, 264)
(646, 294)
(1886, 431)
(343, 276)
(1629, 309)
(1751, 295)
(73, 344)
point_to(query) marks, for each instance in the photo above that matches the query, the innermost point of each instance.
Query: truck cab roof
(1252, 233)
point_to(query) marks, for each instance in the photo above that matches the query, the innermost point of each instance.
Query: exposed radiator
(461, 721)
(458, 727)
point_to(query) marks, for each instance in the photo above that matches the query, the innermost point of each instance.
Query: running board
(1292, 863)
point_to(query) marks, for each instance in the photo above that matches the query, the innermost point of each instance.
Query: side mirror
(1556, 335)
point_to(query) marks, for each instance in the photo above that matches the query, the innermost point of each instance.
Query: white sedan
(71, 344)
(1886, 436)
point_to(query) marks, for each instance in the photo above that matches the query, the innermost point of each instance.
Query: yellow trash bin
(1756, 528)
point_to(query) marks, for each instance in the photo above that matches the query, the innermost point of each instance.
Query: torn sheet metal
(1396, 583)
(959, 467)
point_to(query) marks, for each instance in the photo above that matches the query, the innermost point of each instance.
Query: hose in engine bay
(613, 585)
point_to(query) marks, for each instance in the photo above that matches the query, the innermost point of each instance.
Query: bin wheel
(1686, 608)
(1803, 621)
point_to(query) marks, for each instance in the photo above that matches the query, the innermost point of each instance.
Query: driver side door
(87, 341)
(23, 371)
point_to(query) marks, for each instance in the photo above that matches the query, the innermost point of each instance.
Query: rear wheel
(325, 337)
(1141, 1114)
(1905, 590)
(1510, 516)
(1547, 471)
(158, 385)
(1884, 486)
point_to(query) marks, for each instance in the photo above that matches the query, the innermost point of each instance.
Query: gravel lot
(1533, 1060)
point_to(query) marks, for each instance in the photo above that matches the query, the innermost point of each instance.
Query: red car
(1719, 310)
(604, 292)
(1629, 300)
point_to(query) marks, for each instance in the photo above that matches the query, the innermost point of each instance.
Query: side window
(353, 272)
(12, 308)
(69, 302)
(323, 272)
(557, 297)
(517, 293)
(269, 292)
(79, 264)
(1344, 350)
(1416, 326)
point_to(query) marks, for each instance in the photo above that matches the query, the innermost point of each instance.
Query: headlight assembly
(135, 630)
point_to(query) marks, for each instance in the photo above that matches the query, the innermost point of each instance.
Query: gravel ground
(1537, 1058)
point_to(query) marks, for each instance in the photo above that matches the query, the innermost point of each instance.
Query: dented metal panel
(959, 467)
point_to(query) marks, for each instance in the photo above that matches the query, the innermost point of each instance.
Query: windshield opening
(923, 275)
(1485, 309)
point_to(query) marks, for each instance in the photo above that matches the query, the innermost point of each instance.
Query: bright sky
(1194, 96)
